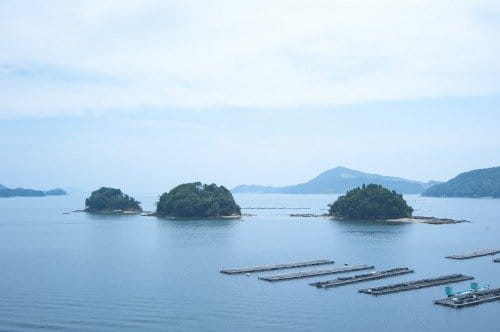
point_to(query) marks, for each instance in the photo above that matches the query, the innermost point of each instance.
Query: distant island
(23, 192)
(370, 202)
(196, 200)
(340, 180)
(476, 183)
(56, 192)
(111, 200)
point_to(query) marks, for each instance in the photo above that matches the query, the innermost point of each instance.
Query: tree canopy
(109, 200)
(196, 200)
(372, 202)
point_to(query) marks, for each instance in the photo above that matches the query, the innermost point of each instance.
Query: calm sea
(85, 272)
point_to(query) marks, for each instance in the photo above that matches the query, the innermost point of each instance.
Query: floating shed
(470, 299)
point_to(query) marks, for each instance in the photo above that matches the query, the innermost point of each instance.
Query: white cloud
(101, 56)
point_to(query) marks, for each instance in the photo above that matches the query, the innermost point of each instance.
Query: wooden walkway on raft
(473, 254)
(416, 284)
(315, 273)
(361, 277)
(276, 266)
(475, 298)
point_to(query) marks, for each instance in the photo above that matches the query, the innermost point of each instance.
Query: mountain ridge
(339, 180)
(483, 182)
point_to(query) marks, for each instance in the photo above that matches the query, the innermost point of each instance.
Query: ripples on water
(85, 272)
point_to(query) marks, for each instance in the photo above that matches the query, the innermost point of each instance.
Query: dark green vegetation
(109, 200)
(339, 180)
(372, 202)
(194, 200)
(476, 183)
(22, 192)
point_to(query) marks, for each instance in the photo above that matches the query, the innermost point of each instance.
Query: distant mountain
(23, 192)
(339, 180)
(477, 183)
(56, 192)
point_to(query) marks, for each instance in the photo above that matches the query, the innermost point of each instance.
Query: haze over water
(110, 273)
(144, 95)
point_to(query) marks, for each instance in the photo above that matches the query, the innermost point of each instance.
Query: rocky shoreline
(231, 217)
(108, 211)
(414, 219)
(429, 220)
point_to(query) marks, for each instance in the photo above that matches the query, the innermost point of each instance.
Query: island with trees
(375, 202)
(111, 200)
(197, 200)
(476, 183)
(370, 202)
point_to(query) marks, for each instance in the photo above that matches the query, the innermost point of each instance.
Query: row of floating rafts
(372, 273)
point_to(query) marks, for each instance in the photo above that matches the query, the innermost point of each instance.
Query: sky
(144, 95)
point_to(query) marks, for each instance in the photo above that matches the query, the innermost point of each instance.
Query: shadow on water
(370, 227)
(112, 216)
(195, 223)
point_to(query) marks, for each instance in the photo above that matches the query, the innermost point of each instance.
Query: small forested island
(476, 183)
(374, 202)
(111, 200)
(196, 200)
(23, 192)
(370, 202)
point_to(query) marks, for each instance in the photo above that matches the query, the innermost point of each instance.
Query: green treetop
(196, 200)
(372, 202)
(109, 200)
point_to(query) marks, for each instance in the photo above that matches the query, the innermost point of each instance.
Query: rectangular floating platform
(497, 260)
(276, 266)
(361, 277)
(315, 273)
(416, 284)
(473, 254)
(475, 298)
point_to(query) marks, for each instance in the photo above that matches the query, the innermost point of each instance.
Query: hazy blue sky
(147, 94)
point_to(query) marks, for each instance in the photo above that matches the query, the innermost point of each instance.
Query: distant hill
(56, 192)
(23, 192)
(339, 180)
(477, 183)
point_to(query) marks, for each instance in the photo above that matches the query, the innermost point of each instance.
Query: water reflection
(369, 227)
(195, 223)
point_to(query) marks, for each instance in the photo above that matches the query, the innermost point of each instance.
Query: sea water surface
(108, 273)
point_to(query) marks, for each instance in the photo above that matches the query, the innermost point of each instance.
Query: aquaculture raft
(315, 273)
(361, 277)
(416, 284)
(473, 254)
(276, 266)
(471, 298)
(497, 260)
